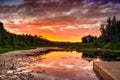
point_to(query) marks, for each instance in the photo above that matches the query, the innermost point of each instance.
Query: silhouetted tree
(11, 39)
(110, 30)
(1, 26)
(88, 39)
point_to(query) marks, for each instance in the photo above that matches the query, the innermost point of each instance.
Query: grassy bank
(4, 49)
(92, 45)
(74, 46)
(79, 46)
(114, 46)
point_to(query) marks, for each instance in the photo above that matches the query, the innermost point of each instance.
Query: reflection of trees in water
(107, 56)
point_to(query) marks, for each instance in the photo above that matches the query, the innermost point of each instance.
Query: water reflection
(62, 65)
(63, 59)
(105, 56)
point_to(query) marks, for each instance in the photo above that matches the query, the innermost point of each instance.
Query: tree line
(110, 32)
(10, 39)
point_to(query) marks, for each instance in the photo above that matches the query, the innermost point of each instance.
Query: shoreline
(13, 63)
(45, 49)
(16, 65)
(100, 49)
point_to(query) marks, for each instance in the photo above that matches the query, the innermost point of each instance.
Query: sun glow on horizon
(57, 20)
(64, 33)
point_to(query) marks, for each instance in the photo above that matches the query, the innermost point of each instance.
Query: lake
(43, 64)
(63, 65)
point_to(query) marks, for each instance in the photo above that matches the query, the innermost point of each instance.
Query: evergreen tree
(110, 31)
(1, 26)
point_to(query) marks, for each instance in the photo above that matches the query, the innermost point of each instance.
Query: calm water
(63, 65)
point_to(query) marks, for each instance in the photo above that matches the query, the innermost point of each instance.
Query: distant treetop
(1, 26)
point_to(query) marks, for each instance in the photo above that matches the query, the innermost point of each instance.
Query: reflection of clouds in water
(51, 63)
(60, 64)
(72, 65)
(45, 65)
(63, 59)
(44, 77)
(72, 55)
(66, 65)
(42, 64)
(86, 67)
(63, 66)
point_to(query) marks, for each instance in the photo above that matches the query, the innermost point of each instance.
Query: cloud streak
(57, 16)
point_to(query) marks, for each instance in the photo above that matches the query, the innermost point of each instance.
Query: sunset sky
(57, 20)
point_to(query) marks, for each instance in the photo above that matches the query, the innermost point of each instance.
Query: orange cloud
(71, 33)
(57, 20)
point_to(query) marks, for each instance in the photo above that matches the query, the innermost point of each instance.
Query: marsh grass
(4, 49)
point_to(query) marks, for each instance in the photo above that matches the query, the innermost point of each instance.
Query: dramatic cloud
(64, 20)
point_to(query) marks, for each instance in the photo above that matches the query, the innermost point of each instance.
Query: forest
(7, 38)
(110, 32)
